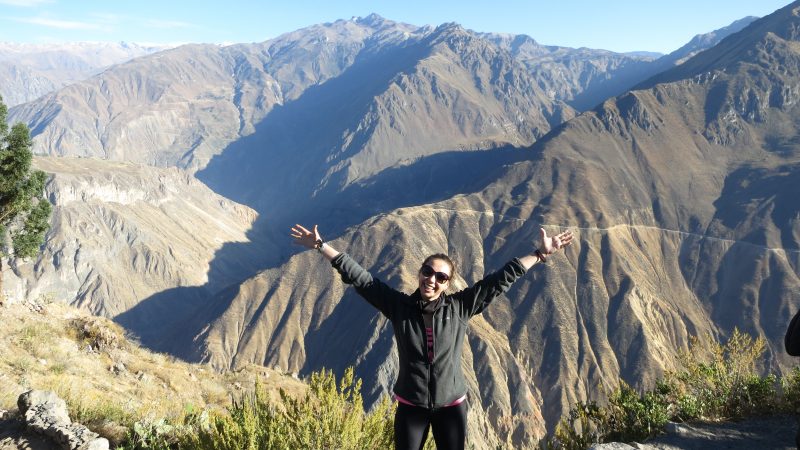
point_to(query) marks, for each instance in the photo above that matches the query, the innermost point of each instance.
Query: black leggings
(411, 424)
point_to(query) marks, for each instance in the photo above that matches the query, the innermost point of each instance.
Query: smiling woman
(429, 327)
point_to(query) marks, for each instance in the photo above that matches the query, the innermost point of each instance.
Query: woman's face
(432, 285)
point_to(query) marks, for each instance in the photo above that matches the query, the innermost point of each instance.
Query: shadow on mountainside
(427, 180)
(751, 191)
(289, 172)
(155, 321)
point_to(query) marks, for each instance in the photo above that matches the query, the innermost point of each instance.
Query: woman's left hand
(302, 236)
(551, 244)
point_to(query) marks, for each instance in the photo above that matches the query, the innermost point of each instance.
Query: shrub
(790, 388)
(328, 417)
(99, 334)
(720, 381)
(714, 381)
(584, 425)
(633, 417)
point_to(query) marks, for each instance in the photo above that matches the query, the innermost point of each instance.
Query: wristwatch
(318, 245)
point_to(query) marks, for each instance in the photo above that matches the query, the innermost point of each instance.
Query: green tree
(24, 212)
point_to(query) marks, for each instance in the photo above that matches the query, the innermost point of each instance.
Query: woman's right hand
(304, 237)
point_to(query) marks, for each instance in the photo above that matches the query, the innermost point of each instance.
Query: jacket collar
(419, 301)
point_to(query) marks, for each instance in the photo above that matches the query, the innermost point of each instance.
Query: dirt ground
(752, 434)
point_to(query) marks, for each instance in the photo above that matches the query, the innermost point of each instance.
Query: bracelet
(318, 245)
(540, 255)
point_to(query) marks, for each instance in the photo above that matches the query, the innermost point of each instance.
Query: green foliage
(584, 425)
(24, 212)
(627, 417)
(720, 381)
(715, 381)
(99, 334)
(790, 387)
(330, 416)
(633, 417)
(156, 435)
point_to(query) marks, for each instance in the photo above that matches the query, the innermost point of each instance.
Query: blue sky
(618, 25)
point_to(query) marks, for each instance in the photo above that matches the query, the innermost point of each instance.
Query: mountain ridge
(28, 71)
(687, 155)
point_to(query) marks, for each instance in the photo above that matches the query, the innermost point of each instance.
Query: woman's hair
(444, 258)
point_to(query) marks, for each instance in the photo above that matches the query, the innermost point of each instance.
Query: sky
(617, 25)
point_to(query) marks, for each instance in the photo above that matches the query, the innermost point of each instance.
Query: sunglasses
(427, 271)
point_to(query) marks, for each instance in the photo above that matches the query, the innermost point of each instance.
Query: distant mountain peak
(706, 40)
(451, 30)
(374, 21)
(745, 45)
(449, 27)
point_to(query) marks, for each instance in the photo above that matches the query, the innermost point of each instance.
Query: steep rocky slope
(446, 91)
(122, 233)
(584, 77)
(184, 106)
(108, 381)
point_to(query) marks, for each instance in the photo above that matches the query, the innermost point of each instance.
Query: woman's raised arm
(312, 239)
(550, 245)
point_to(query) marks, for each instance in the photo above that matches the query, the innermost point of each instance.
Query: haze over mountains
(402, 141)
(28, 71)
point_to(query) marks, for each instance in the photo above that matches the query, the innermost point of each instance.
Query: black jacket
(418, 381)
(792, 338)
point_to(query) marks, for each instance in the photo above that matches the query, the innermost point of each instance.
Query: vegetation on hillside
(715, 382)
(327, 417)
(141, 400)
(118, 389)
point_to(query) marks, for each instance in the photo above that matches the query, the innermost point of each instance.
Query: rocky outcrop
(122, 232)
(45, 413)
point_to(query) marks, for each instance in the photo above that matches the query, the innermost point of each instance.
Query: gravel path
(764, 433)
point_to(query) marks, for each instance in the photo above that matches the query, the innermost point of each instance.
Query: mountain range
(676, 173)
(28, 71)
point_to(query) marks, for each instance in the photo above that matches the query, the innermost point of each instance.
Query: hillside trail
(700, 236)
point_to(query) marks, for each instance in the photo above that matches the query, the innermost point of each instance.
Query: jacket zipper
(430, 360)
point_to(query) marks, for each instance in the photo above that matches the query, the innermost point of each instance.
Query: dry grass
(108, 381)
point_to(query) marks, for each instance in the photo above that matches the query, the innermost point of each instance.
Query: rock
(118, 368)
(43, 406)
(612, 446)
(143, 377)
(35, 306)
(686, 431)
(45, 413)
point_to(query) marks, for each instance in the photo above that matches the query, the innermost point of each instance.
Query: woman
(429, 328)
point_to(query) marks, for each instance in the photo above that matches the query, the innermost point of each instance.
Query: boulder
(45, 413)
